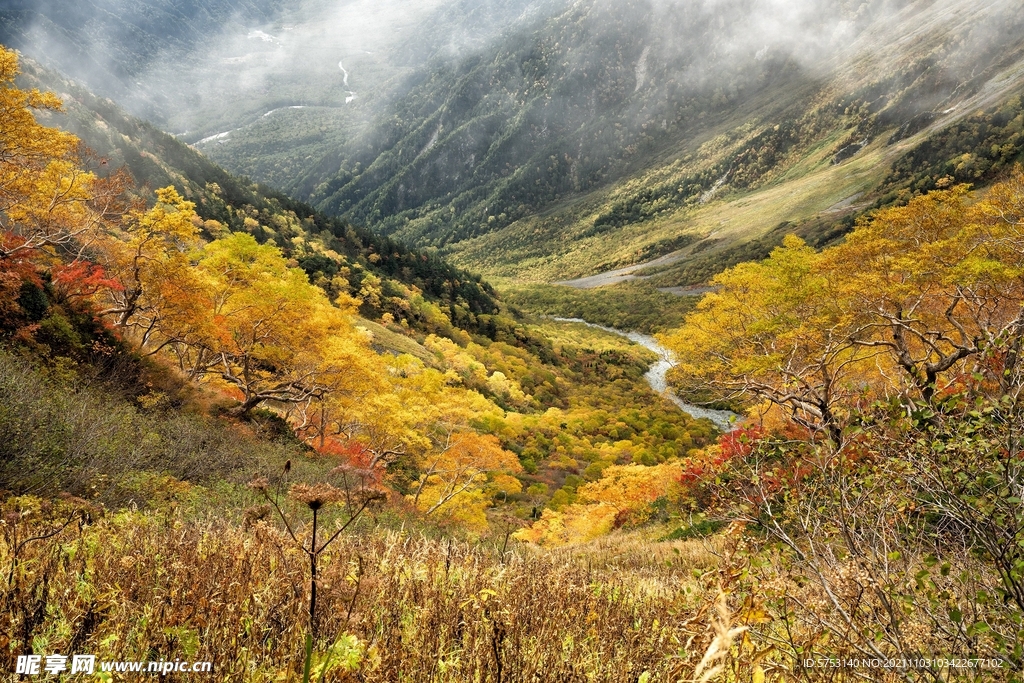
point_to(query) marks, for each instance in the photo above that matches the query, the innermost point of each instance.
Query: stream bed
(656, 375)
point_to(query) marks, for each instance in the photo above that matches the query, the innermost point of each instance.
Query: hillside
(422, 338)
(227, 203)
(283, 80)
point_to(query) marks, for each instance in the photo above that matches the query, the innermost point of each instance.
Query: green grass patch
(701, 529)
(627, 306)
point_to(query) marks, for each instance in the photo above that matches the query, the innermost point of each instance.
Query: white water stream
(294, 106)
(221, 137)
(656, 375)
(344, 72)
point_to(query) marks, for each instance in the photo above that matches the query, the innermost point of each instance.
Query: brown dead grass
(151, 586)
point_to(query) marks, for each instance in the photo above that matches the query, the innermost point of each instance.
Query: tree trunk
(246, 407)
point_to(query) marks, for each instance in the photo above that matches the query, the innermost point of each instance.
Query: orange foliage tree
(624, 494)
(267, 333)
(148, 256)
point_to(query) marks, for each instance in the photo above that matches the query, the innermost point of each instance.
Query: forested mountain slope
(227, 203)
(614, 133)
(216, 298)
(551, 139)
(217, 68)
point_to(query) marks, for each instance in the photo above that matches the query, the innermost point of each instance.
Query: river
(656, 375)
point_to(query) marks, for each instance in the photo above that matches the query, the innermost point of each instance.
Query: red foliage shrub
(81, 279)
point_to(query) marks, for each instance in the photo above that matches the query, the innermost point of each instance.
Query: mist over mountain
(545, 138)
(111, 45)
(564, 106)
(483, 150)
(308, 69)
(187, 66)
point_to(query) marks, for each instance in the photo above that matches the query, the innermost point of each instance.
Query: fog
(205, 70)
(195, 66)
(192, 67)
(317, 54)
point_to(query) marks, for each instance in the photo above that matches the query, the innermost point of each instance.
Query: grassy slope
(631, 306)
(553, 245)
(536, 249)
(400, 606)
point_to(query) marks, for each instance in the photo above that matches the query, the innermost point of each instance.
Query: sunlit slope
(814, 188)
(812, 193)
(554, 246)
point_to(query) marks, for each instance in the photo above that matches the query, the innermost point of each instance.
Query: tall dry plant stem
(354, 495)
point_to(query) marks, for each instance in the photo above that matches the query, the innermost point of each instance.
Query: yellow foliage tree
(573, 524)
(775, 330)
(264, 332)
(900, 281)
(455, 476)
(159, 290)
(993, 251)
(370, 415)
(918, 300)
(46, 198)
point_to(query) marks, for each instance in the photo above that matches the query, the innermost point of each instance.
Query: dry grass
(149, 586)
(403, 607)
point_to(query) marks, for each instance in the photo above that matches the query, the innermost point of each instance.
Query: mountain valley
(513, 340)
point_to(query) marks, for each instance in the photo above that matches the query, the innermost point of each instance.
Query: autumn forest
(736, 397)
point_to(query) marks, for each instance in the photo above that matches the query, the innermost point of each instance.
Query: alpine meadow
(512, 341)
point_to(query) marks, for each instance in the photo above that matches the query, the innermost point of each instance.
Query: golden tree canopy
(46, 198)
